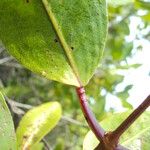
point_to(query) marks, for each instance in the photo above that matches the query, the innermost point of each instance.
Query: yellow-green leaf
(61, 40)
(133, 138)
(7, 133)
(36, 123)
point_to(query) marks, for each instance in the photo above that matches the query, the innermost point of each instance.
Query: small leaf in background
(139, 132)
(36, 123)
(146, 17)
(123, 95)
(66, 47)
(141, 4)
(7, 133)
(129, 66)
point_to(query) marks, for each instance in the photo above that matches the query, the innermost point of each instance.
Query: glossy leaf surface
(134, 138)
(61, 40)
(7, 133)
(36, 123)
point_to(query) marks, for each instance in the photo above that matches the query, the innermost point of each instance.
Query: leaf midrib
(62, 40)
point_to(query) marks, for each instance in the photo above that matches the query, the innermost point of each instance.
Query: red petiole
(108, 141)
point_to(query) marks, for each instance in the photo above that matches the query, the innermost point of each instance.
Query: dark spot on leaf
(55, 40)
(27, 1)
(72, 47)
(25, 136)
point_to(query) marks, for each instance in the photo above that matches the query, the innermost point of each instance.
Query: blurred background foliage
(23, 87)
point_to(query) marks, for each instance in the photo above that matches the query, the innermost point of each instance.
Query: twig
(68, 119)
(11, 64)
(102, 147)
(130, 119)
(89, 116)
(17, 104)
(6, 59)
(1, 47)
(14, 105)
(110, 140)
(46, 145)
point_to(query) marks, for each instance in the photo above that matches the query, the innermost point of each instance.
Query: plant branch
(102, 146)
(12, 64)
(6, 59)
(1, 47)
(73, 121)
(89, 116)
(115, 135)
(109, 141)
(17, 104)
(46, 145)
(18, 108)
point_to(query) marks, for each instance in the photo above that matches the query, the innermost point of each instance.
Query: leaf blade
(61, 37)
(7, 133)
(31, 37)
(36, 123)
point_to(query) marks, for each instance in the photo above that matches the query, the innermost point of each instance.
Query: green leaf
(140, 4)
(123, 95)
(61, 40)
(146, 17)
(36, 123)
(129, 66)
(137, 132)
(7, 133)
(38, 146)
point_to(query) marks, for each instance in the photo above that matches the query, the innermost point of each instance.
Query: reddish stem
(89, 116)
(115, 135)
(109, 141)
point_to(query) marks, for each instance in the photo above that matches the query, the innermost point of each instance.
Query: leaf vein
(62, 40)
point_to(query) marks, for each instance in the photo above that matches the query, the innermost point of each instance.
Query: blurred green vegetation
(22, 86)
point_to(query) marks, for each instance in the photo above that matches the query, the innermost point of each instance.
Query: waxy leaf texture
(62, 40)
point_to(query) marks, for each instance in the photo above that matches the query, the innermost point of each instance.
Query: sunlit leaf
(61, 40)
(135, 134)
(7, 133)
(36, 123)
